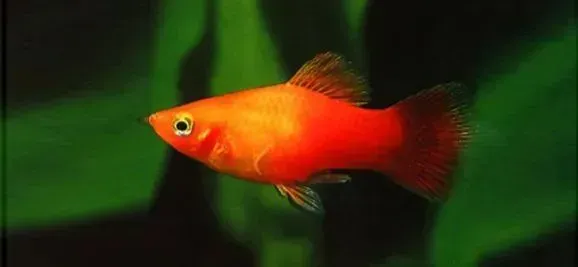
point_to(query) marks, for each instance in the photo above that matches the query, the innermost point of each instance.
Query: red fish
(295, 133)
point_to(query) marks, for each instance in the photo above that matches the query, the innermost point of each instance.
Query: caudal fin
(435, 129)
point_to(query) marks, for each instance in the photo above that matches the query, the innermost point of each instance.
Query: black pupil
(182, 126)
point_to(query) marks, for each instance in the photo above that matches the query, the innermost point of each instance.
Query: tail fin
(435, 130)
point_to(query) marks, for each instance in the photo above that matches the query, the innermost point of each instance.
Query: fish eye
(183, 126)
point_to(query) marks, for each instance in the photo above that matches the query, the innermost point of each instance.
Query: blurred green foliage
(518, 179)
(63, 161)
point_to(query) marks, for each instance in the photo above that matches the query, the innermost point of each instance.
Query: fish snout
(150, 119)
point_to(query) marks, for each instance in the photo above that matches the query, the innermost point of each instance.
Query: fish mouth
(144, 120)
(150, 119)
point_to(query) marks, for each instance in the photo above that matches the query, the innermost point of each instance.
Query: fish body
(295, 133)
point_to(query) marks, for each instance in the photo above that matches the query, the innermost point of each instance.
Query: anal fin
(303, 196)
(329, 178)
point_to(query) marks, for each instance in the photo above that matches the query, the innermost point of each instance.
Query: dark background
(410, 44)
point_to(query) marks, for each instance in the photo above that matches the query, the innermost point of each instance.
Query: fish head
(185, 128)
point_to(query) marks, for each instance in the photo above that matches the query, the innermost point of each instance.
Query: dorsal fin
(330, 75)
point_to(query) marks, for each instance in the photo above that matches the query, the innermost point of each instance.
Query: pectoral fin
(303, 196)
(259, 157)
